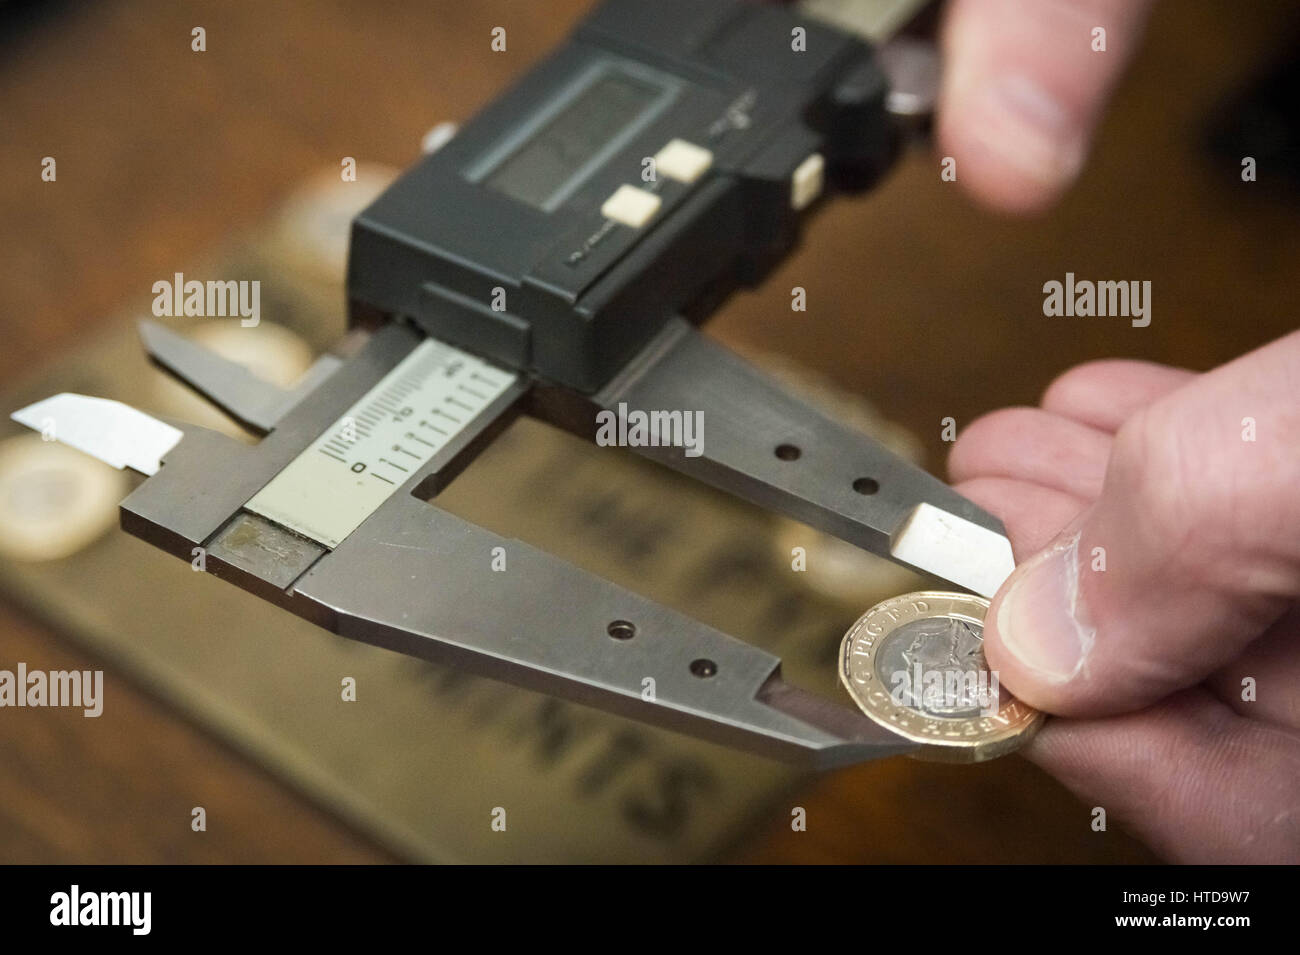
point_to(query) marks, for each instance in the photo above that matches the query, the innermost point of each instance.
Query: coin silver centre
(936, 666)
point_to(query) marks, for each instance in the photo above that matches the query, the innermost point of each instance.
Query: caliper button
(683, 161)
(631, 206)
(806, 183)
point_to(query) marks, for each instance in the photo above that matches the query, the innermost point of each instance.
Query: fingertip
(1022, 89)
(1032, 514)
(1032, 445)
(1011, 147)
(1105, 393)
(968, 458)
(1033, 639)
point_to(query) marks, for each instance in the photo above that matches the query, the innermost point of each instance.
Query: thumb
(1190, 552)
(1024, 84)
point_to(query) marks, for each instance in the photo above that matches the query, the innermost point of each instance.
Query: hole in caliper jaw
(704, 668)
(621, 630)
(866, 485)
(788, 452)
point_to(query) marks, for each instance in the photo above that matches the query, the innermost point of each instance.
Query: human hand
(1023, 90)
(1185, 488)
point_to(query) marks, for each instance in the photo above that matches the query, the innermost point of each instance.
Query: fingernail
(1016, 118)
(1041, 621)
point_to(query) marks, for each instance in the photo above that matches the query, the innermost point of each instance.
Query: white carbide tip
(960, 551)
(111, 431)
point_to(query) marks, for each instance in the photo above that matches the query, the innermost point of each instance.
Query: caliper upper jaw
(254, 403)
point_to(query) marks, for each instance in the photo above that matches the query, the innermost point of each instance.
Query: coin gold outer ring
(948, 740)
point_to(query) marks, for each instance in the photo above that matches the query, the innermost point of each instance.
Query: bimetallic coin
(915, 664)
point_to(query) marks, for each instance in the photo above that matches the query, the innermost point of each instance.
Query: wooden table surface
(923, 302)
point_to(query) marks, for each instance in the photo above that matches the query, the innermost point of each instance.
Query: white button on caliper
(806, 183)
(683, 161)
(631, 206)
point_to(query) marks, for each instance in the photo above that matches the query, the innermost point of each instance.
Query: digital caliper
(552, 259)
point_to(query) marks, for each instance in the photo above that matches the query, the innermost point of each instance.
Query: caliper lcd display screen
(558, 153)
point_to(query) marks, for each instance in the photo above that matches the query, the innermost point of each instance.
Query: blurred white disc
(54, 501)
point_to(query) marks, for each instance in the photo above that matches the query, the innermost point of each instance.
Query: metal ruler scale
(390, 433)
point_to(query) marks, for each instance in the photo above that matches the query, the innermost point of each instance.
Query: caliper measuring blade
(766, 445)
